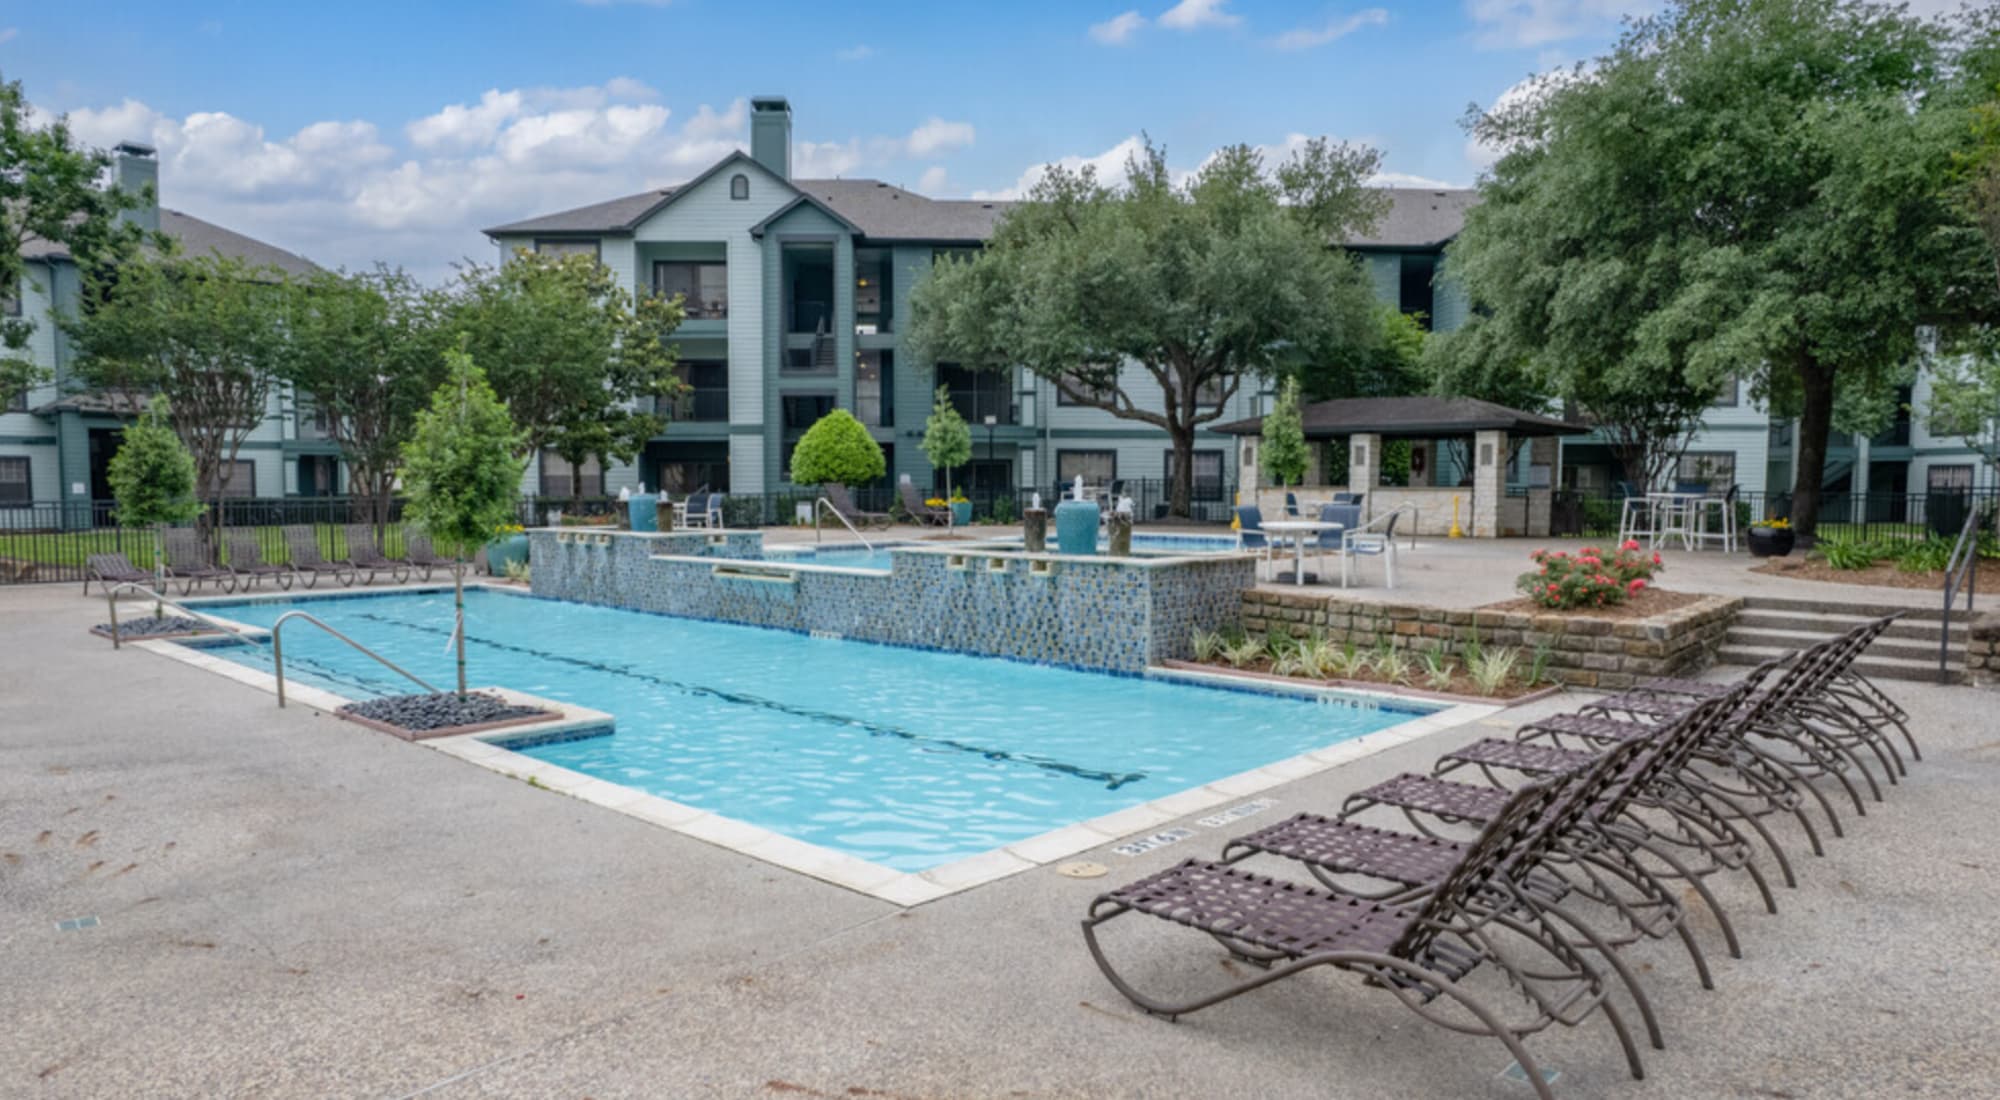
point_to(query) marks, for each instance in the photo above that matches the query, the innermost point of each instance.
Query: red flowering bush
(1589, 578)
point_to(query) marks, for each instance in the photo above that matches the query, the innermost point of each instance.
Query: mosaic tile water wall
(1084, 613)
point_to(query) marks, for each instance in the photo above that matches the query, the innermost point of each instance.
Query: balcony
(698, 406)
(976, 405)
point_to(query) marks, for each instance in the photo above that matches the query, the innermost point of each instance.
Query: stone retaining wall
(1982, 650)
(1584, 652)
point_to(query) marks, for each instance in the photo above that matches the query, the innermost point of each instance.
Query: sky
(360, 132)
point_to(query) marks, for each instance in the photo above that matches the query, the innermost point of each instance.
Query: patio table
(1298, 529)
(1678, 510)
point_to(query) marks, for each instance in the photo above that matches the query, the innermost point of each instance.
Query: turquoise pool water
(908, 758)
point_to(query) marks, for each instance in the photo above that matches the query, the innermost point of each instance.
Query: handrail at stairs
(1963, 568)
(827, 505)
(278, 652)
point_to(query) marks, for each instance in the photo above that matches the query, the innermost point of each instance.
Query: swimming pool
(906, 758)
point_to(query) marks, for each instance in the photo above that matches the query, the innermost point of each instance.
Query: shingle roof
(1418, 417)
(197, 238)
(615, 216)
(1418, 217)
(886, 212)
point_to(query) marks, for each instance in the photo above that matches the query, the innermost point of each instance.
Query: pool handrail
(278, 652)
(823, 503)
(111, 602)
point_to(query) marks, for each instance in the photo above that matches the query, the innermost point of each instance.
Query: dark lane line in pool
(1111, 780)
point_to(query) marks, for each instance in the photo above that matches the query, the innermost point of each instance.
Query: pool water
(908, 758)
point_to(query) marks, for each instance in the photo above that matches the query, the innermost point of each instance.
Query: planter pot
(1770, 542)
(507, 548)
(961, 513)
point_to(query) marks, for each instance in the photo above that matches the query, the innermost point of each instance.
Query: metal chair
(1250, 532)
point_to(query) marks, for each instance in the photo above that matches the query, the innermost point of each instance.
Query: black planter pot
(1771, 542)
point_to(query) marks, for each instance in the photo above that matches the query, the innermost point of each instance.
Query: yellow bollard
(1456, 532)
(1236, 521)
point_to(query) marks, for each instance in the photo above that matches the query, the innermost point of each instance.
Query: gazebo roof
(1412, 418)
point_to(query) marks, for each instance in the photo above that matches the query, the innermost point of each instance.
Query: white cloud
(1404, 179)
(1306, 38)
(1482, 154)
(460, 127)
(1189, 15)
(1110, 165)
(854, 53)
(1510, 23)
(1118, 30)
(933, 182)
(8, 34)
(823, 159)
(938, 136)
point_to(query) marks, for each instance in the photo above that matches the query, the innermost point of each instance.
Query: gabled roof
(621, 215)
(197, 238)
(887, 213)
(1412, 417)
(1418, 217)
(799, 200)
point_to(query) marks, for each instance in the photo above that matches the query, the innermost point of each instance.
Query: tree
(947, 441)
(1153, 300)
(462, 469)
(576, 355)
(207, 333)
(152, 478)
(49, 193)
(1283, 454)
(837, 450)
(1740, 187)
(367, 351)
(1392, 365)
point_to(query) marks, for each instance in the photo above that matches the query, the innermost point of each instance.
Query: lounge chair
(836, 496)
(1419, 950)
(913, 503)
(419, 554)
(367, 556)
(189, 562)
(302, 543)
(246, 560)
(114, 569)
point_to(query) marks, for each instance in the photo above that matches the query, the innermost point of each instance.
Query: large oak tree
(1202, 285)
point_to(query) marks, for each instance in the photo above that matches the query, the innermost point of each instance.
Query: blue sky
(359, 132)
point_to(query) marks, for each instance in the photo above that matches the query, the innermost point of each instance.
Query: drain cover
(75, 924)
(1082, 868)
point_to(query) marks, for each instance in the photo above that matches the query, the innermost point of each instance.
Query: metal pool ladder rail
(278, 652)
(111, 602)
(823, 503)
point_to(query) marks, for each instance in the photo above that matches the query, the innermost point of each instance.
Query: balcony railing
(976, 405)
(702, 404)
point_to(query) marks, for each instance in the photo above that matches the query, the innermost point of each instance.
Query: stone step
(1923, 606)
(1915, 649)
(1880, 668)
(1828, 625)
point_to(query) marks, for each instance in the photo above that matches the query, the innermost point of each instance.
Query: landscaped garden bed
(444, 714)
(149, 627)
(1442, 671)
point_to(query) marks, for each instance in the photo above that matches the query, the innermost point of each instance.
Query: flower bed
(1591, 578)
(1468, 670)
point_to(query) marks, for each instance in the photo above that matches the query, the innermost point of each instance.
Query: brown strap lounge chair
(246, 560)
(913, 503)
(1421, 950)
(843, 504)
(189, 562)
(367, 556)
(302, 543)
(418, 553)
(113, 569)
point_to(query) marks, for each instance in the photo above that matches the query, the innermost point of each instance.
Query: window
(559, 479)
(978, 394)
(703, 287)
(872, 293)
(1210, 391)
(875, 388)
(739, 186)
(803, 410)
(567, 248)
(16, 487)
(1715, 468)
(1942, 479)
(242, 482)
(1414, 292)
(707, 395)
(1207, 474)
(1063, 397)
(1731, 394)
(1097, 468)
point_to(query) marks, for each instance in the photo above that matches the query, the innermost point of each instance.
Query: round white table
(1298, 529)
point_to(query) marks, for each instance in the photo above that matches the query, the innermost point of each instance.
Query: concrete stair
(1771, 627)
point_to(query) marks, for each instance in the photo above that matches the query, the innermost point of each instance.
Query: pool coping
(902, 888)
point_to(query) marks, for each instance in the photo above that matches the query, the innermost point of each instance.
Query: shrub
(1492, 668)
(1205, 644)
(1847, 552)
(1243, 652)
(837, 450)
(1590, 578)
(1926, 556)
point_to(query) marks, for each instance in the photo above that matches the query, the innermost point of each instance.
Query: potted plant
(961, 509)
(1771, 538)
(509, 547)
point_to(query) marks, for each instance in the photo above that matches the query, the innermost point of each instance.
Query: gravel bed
(153, 626)
(445, 710)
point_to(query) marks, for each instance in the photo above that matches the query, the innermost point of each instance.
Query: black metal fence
(1866, 516)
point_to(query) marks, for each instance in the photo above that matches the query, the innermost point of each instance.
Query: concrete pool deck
(291, 905)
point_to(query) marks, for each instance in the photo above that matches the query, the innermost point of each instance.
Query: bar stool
(1723, 509)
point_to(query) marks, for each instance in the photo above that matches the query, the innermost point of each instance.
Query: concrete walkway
(292, 906)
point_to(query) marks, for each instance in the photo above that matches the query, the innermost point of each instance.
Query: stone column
(1364, 469)
(1035, 530)
(1489, 482)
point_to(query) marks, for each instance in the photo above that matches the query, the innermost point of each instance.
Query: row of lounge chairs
(1530, 863)
(190, 562)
